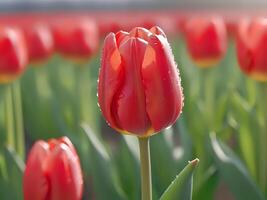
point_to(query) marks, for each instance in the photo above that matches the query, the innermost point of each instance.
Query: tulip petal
(110, 78)
(65, 140)
(130, 100)
(63, 169)
(158, 31)
(164, 97)
(121, 37)
(35, 182)
(139, 32)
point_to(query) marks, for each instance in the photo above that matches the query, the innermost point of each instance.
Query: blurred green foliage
(223, 124)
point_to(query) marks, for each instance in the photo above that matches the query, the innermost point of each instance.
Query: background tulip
(224, 112)
(252, 46)
(138, 73)
(39, 40)
(76, 39)
(13, 54)
(53, 172)
(206, 39)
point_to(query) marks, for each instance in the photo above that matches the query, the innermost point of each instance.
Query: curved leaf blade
(234, 172)
(105, 180)
(182, 186)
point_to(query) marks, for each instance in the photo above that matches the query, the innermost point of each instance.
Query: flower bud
(76, 39)
(53, 171)
(39, 40)
(252, 48)
(13, 54)
(206, 40)
(139, 89)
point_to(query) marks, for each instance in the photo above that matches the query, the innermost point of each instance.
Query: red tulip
(76, 39)
(231, 27)
(106, 27)
(13, 54)
(206, 40)
(139, 90)
(40, 44)
(252, 48)
(53, 172)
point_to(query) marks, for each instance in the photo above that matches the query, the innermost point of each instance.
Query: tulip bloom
(76, 39)
(40, 44)
(13, 54)
(139, 90)
(252, 48)
(53, 172)
(206, 40)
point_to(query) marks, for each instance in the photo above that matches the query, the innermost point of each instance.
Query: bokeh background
(223, 121)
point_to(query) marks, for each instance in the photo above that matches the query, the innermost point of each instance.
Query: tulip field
(145, 105)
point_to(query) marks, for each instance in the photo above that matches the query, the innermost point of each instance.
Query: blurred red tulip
(76, 39)
(165, 22)
(231, 27)
(13, 54)
(252, 48)
(106, 27)
(53, 172)
(39, 40)
(206, 40)
(139, 88)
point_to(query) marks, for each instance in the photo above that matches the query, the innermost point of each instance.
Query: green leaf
(244, 115)
(234, 172)
(221, 110)
(105, 178)
(12, 168)
(162, 161)
(251, 91)
(207, 185)
(128, 163)
(182, 186)
(132, 144)
(186, 146)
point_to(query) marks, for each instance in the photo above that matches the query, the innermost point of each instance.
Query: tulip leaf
(12, 168)
(182, 186)
(162, 161)
(207, 185)
(128, 163)
(105, 178)
(243, 114)
(234, 172)
(132, 144)
(251, 92)
(186, 141)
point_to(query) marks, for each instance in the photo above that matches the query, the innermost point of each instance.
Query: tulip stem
(146, 182)
(263, 138)
(208, 85)
(18, 117)
(9, 117)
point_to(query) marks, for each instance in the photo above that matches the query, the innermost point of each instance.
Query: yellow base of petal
(207, 63)
(259, 76)
(81, 61)
(149, 133)
(7, 78)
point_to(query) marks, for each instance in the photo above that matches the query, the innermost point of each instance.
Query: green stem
(146, 182)
(78, 70)
(9, 118)
(263, 137)
(18, 116)
(209, 95)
